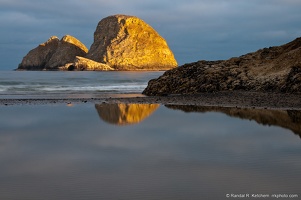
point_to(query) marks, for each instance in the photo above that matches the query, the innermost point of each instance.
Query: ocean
(57, 83)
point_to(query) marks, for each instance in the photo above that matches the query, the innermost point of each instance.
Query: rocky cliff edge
(274, 69)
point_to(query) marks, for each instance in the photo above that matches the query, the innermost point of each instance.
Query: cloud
(14, 19)
(207, 29)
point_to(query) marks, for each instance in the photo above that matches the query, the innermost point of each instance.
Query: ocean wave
(18, 83)
(59, 89)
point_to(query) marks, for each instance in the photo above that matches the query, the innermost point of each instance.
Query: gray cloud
(195, 30)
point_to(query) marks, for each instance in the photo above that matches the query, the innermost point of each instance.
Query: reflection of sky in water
(60, 152)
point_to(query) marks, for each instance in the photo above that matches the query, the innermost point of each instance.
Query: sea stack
(68, 48)
(37, 58)
(53, 54)
(128, 43)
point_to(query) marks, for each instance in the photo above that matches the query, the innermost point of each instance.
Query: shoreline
(238, 99)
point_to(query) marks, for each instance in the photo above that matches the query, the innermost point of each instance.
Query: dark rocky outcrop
(53, 54)
(128, 43)
(274, 69)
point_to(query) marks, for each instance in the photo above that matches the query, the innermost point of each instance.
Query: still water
(119, 151)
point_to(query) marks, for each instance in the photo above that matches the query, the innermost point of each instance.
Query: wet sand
(240, 99)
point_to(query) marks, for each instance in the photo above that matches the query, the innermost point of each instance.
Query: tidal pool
(120, 151)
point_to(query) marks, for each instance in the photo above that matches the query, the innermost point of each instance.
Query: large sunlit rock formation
(273, 69)
(121, 42)
(125, 114)
(53, 54)
(128, 43)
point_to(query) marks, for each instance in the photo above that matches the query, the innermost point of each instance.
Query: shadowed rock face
(68, 48)
(125, 114)
(128, 43)
(37, 58)
(274, 69)
(287, 119)
(53, 54)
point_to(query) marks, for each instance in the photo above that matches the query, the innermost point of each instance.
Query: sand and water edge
(238, 99)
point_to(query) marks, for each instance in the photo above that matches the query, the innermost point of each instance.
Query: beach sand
(240, 99)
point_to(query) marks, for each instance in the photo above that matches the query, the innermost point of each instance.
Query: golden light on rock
(128, 43)
(125, 114)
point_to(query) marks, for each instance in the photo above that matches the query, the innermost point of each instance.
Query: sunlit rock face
(128, 43)
(90, 65)
(125, 114)
(53, 54)
(84, 64)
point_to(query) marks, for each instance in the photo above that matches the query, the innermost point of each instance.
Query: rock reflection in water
(125, 114)
(289, 119)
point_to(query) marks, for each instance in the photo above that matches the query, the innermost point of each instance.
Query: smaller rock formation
(37, 58)
(128, 43)
(53, 54)
(84, 64)
(274, 69)
(69, 47)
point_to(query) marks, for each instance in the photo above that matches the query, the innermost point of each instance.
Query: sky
(194, 29)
